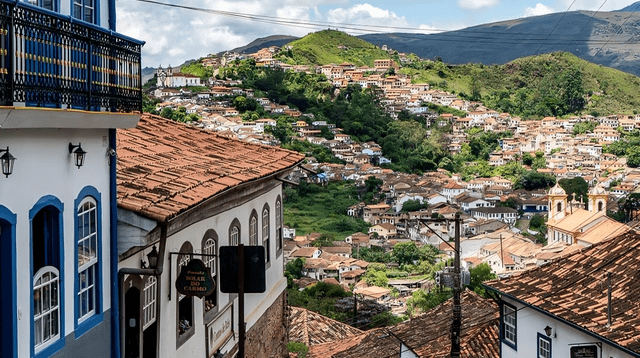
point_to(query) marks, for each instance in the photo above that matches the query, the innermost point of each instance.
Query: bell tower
(557, 203)
(598, 200)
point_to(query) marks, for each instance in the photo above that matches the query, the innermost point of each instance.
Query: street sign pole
(241, 323)
(457, 307)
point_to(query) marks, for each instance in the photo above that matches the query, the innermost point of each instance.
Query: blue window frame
(509, 325)
(8, 340)
(85, 10)
(88, 254)
(47, 292)
(45, 4)
(544, 346)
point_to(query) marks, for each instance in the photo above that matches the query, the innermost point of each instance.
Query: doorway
(132, 323)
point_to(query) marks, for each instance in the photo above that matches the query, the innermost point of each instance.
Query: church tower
(598, 200)
(557, 203)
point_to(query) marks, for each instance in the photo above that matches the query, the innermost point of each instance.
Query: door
(132, 323)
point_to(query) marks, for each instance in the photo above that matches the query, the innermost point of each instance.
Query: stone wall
(268, 337)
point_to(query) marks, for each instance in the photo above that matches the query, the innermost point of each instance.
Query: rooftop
(574, 288)
(165, 167)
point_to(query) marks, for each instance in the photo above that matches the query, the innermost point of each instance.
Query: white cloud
(477, 4)
(366, 14)
(539, 9)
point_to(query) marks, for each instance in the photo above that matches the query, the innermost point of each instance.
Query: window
(544, 346)
(600, 206)
(559, 209)
(46, 306)
(210, 247)
(84, 10)
(185, 304)
(278, 225)
(509, 325)
(265, 233)
(253, 229)
(45, 4)
(46, 252)
(149, 305)
(87, 225)
(234, 233)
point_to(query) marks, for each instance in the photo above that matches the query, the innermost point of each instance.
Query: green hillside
(321, 48)
(555, 84)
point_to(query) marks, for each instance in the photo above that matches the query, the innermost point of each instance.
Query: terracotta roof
(165, 167)
(304, 252)
(425, 334)
(574, 288)
(311, 328)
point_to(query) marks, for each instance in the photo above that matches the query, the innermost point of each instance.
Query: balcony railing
(51, 60)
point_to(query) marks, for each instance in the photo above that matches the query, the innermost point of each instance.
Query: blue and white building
(67, 81)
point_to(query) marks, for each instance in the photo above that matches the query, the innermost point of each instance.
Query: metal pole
(608, 299)
(241, 323)
(457, 308)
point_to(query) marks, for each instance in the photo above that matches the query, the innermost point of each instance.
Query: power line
(527, 38)
(588, 21)
(557, 23)
(606, 43)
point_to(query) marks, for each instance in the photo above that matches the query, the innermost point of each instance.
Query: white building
(214, 198)
(56, 227)
(560, 309)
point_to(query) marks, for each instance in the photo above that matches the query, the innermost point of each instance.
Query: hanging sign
(584, 352)
(195, 280)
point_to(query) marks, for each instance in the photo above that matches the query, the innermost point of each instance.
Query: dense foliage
(628, 146)
(313, 208)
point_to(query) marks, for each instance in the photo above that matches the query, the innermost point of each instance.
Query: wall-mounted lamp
(6, 160)
(78, 154)
(153, 258)
(548, 331)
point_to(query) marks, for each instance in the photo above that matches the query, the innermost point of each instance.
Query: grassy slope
(321, 48)
(615, 91)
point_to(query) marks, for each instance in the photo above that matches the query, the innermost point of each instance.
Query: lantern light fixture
(6, 161)
(78, 154)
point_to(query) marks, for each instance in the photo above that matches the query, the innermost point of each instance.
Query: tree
(405, 253)
(294, 268)
(423, 300)
(411, 205)
(527, 159)
(533, 180)
(479, 274)
(376, 278)
(576, 188)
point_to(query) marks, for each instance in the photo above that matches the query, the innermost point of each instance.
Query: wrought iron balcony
(54, 61)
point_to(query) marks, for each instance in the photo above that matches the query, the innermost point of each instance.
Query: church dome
(597, 190)
(557, 190)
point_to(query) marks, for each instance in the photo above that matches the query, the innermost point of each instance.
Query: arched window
(234, 233)
(185, 304)
(278, 225)
(265, 233)
(87, 241)
(559, 208)
(46, 249)
(253, 228)
(46, 306)
(210, 247)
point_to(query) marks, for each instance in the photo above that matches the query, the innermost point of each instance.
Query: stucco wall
(45, 167)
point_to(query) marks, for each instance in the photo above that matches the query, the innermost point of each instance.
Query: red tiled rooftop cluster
(166, 167)
(575, 288)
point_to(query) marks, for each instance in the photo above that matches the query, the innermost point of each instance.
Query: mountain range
(606, 38)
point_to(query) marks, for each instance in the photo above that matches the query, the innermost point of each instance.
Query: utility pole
(457, 307)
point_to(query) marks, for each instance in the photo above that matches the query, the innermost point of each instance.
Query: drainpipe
(145, 272)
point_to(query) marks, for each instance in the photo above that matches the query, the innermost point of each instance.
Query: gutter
(569, 323)
(157, 272)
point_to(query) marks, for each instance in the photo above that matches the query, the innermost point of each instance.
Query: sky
(174, 35)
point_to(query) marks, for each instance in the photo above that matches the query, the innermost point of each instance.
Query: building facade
(68, 80)
(234, 196)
